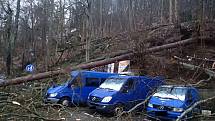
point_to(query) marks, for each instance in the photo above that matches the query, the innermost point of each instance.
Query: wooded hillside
(48, 33)
(170, 38)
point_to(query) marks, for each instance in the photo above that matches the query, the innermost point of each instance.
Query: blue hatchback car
(120, 93)
(76, 90)
(169, 101)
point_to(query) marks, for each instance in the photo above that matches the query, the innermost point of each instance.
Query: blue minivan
(120, 93)
(169, 101)
(76, 90)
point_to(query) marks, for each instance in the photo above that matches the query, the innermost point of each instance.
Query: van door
(129, 96)
(90, 85)
(189, 100)
(75, 88)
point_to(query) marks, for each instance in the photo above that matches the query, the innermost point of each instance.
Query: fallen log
(49, 74)
(192, 107)
(194, 67)
(208, 71)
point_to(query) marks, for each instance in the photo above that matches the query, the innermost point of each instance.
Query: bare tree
(9, 15)
(176, 11)
(170, 11)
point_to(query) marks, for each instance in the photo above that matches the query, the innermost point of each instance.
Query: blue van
(76, 90)
(119, 93)
(169, 101)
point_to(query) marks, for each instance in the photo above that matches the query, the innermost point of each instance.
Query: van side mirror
(125, 89)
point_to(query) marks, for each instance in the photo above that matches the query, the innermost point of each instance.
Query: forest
(172, 38)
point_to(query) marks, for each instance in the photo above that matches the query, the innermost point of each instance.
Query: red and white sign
(123, 65)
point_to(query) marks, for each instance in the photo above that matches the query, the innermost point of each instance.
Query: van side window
(92, 82)
(130, 84)
(189, 95)
(76, 82)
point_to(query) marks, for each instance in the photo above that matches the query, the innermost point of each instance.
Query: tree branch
(193, 106)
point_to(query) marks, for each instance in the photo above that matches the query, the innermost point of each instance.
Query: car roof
(92, 74)
(178, 86)
(127, 77)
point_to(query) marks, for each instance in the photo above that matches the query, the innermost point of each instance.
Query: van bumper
(51, 100)
(104, 108)
(164, 115)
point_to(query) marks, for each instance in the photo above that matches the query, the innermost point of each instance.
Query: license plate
(160, 113)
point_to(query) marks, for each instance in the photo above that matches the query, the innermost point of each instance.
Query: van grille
(95, 99)
(161, 107)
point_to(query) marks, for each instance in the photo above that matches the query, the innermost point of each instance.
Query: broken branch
(192, 107)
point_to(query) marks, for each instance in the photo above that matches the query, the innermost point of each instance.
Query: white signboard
(123, 65)
(110, 68)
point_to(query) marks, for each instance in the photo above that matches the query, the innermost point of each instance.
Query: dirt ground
(28, 105)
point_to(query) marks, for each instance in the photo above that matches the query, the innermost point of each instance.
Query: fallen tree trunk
(194, 67)
(192, 107)
(128, 55)
(49, 74)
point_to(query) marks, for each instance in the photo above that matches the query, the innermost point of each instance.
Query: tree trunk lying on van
(192, 107)
(143, 103)
(49, 74)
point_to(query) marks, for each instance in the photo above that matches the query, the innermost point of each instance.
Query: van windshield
(113, 84)
(177, 93)
(75, 81)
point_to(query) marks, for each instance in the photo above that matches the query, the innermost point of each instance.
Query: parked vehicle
(76, 90)
(170, 101)
(120, 93)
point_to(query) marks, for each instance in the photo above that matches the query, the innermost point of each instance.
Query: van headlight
(53, 95)
(178, 109)
(150, 105)
(106, 99)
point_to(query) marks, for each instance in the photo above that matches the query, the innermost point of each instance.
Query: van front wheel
(65, 101)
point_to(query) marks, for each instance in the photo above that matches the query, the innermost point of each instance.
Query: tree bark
(16, 22)
(162, 12)
(170, 11)
(9, 47)
(88, 29)
(44, 35)
(101, 17)
(130, 15)
(176, 11)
